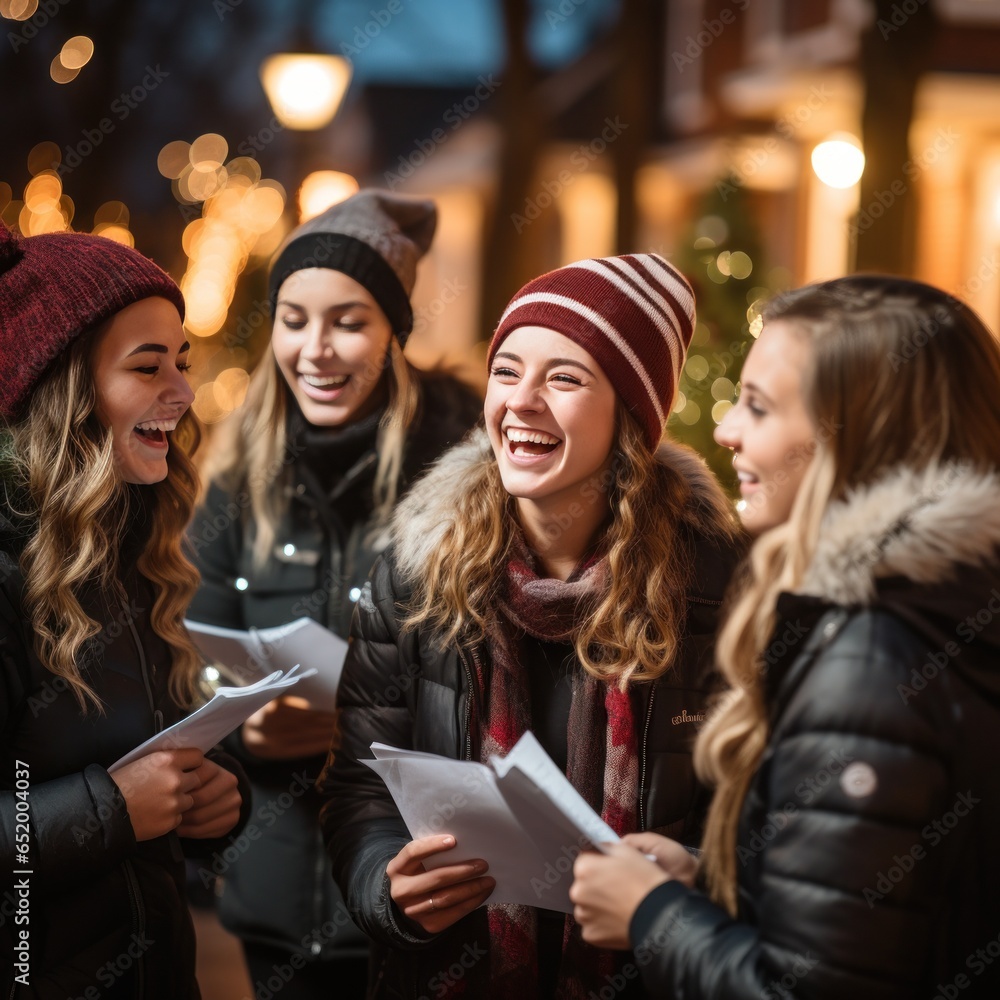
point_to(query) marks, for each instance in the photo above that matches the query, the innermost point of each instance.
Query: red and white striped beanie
(634, 315)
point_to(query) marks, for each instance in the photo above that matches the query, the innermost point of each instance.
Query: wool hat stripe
(596, 320)
(669, 291)
(644, 297)
(674, 279)
(634, 315)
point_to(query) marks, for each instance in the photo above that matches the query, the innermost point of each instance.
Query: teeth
(157, 425)
(325, 381)
(530, 437)
(746, 477)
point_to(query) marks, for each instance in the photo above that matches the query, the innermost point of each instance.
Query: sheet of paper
(529, 838)
(250, 655)
(229, 708)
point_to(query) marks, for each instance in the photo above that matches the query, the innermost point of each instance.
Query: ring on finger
(433, 904)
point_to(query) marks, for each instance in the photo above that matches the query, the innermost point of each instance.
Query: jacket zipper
(157, 714)
(134, 892)
(317, 946)
(139, 921)
(642, 759)
(472, 695)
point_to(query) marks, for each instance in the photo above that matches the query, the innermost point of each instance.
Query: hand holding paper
(230, 707)
(520, 814)
(251, 655)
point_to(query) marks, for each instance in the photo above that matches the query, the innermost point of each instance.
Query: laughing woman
(559, 572)
(94, 658)
(335, 426)
(851, 848)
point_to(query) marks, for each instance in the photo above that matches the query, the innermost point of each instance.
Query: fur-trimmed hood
(926, 547)
(424, 514)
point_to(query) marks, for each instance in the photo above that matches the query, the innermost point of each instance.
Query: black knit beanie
(376, 238)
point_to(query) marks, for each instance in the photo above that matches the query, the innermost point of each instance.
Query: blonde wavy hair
(633, 628)
(250, 450)
(900, 375)
(63, 465)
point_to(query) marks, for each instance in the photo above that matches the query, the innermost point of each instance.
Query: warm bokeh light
(206, 407)
(20, 10)
(324, 188)
(43, 193)
(839, 161)
(173, 158)
(230, 388)
(112, 213)
(44, 208)
(720, 409)
(44, 156)
(77, 52)
(723, 388)
(696, 368)
(209, 151)
(60, 73)
(118, 233)
(305, 90)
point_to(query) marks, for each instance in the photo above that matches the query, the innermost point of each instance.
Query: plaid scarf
(604, 771)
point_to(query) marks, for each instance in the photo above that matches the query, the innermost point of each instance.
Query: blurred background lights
(324, 188)
(839, 161)
(241, 217)
(720, 409)
(61, 73)
(696, 367)
(77, 52)
(305, 90)
(18, 10)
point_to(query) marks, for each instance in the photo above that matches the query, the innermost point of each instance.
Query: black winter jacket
(869, 844)
(279, 890)
(102, 914)
(400, 688)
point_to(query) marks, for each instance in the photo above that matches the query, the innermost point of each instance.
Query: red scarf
(603, 762)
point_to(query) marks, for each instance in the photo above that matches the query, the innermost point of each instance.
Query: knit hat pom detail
(11, 250)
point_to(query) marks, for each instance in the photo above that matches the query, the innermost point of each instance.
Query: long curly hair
(632, 630)
(62, 463)
(900, 375)
(250, 450)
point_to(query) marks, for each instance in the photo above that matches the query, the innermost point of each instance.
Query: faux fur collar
(917, 525)
(424, 514)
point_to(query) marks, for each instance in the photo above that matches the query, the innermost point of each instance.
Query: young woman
(94, 657)
(561, 572)
(335, 425)
(851, 849)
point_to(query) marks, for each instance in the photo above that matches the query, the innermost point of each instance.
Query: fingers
(410, 859)
(436, 911)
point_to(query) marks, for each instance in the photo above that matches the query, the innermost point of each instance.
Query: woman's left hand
(608, 889)
(216, 806)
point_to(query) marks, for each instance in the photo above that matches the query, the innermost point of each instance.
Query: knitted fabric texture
(374, 237)
(603, 764)
(634, 315)
(55, 287)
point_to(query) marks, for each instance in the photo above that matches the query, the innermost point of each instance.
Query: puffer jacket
(102, 914)
(277, 887)
(868, 861)
(400, 688)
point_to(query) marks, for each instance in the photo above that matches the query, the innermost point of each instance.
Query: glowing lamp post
(305, 89)
(839, 161)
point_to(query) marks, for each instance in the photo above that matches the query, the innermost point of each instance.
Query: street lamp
(839, 162)
(305, 89)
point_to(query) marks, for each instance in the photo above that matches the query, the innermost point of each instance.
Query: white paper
(229, 708)
(255, 653)
(520, 814)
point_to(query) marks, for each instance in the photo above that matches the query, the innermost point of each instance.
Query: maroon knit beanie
(54, 288)
(634, 315)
